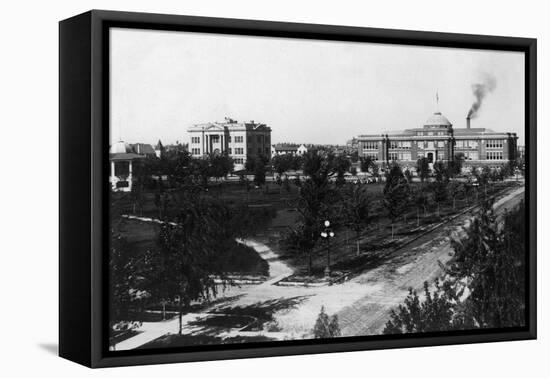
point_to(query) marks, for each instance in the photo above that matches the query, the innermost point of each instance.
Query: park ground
(362, 301)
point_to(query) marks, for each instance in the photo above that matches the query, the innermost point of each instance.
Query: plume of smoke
(480, 90)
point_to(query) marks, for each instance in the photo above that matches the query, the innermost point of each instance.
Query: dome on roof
(437, 119)
(120, 147)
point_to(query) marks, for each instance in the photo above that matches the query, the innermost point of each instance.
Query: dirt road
(414, 264)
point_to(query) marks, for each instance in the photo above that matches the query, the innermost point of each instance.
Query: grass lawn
(240, 259)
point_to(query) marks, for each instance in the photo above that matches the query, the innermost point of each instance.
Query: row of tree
(484, 284)
(350, 205)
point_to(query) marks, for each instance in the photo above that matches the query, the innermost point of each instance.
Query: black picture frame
(83, 163)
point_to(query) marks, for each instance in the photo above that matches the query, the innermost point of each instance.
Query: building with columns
(121, 158)
(240, 140)
(438, 140)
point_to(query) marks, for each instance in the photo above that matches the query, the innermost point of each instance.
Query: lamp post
(327, 234)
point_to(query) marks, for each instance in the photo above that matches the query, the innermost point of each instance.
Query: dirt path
(277, 268)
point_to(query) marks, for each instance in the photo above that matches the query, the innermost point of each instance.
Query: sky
(307, 91)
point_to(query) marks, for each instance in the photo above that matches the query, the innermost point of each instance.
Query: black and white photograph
(267, 189)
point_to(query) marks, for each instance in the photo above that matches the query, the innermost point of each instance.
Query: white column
(130, 175)
(113, 177)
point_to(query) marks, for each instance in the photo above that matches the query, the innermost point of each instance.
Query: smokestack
(468, 122)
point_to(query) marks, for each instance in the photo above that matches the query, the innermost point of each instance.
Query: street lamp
(327, 234)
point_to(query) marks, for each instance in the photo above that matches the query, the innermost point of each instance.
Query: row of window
(400, 144)
(466, 144)
(405, 145)
(237, 150)
(494, 155)
(238, 139)
(369, 145)
(431, 144)
(399, 156)
(431, 133)
(373, 156)
(473, 155)
(494, 143)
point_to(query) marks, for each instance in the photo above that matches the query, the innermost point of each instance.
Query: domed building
(437, 120)
(120, 147)
(437, 140)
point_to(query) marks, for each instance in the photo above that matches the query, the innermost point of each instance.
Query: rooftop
(437, 120)
(231, 124)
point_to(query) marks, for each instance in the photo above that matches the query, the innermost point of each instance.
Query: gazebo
(121, 158)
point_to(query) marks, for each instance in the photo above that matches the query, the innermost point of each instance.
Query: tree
(356, 209)
(259, 174)
(161, 199)
(142, 173)
(366, 163)
(340, 165)
(257, 165)
(312, 208)
(435, 313)
(220, 165)
(179, 167)
(375, 171)
(301, 239)
(423, 168)
(198, 172)
(421, 201)
(183, 265)
(286, 184)
(455, 165)
(326, 326)
(456, 189)
(485, 281)
(396, 194)
(491, 259)
(439, 186)
(408, 175)
(441, 171)
(313, 205)
(316, 166)
(123, 281)
(440, 194)
(282, 163)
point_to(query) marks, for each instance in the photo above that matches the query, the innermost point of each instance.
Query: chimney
(467, 122)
